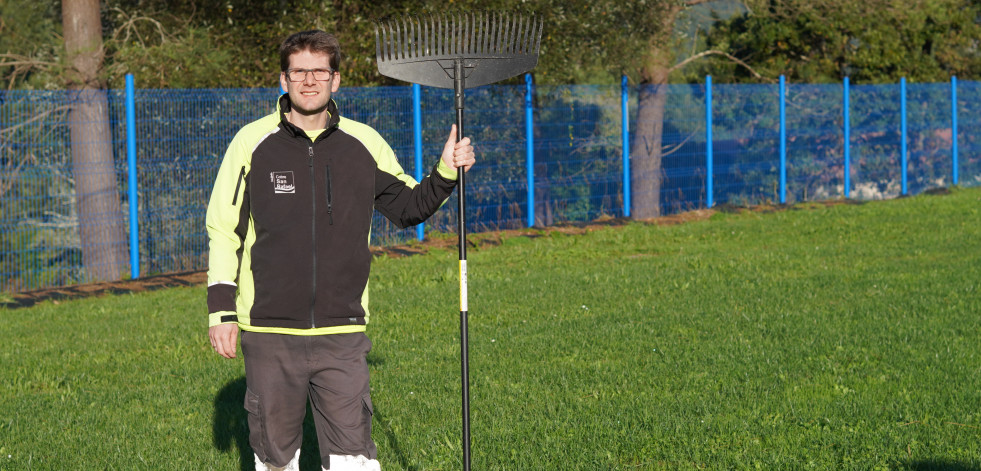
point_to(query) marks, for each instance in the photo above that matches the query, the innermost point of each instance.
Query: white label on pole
(463, 285)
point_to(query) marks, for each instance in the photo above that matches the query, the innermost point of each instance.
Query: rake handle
(458, 87)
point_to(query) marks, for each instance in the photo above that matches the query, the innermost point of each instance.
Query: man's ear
(283, 85)
(335, 82)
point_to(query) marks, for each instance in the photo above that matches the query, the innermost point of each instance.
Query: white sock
(352, 463)
(293, 465)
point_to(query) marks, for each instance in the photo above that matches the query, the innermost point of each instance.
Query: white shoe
(293, 465)
(352, 463)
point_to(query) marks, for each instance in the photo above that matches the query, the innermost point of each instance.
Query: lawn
(840, 336)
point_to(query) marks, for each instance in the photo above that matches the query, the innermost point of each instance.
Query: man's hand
(458, 154)
(223, 338)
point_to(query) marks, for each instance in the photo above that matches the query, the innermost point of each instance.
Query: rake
(458, 52)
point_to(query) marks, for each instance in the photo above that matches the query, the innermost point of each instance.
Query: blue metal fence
(548, 154)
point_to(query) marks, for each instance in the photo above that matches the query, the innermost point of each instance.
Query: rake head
(492, 47)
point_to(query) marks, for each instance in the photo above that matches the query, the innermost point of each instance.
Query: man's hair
(313, 41)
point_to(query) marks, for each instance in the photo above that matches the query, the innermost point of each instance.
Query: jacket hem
(341, 329)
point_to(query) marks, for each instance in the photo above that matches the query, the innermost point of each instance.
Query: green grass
(840, 337)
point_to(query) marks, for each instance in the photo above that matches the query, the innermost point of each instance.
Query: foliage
(228, 44)
(38, 242)
(824, 41)
(828, 337)
(29, 44)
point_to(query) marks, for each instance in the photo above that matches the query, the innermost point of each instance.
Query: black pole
(458, 86)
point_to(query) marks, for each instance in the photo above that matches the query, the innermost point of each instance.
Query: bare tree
(100, 219)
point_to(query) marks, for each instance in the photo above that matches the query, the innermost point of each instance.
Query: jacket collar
(284, 105)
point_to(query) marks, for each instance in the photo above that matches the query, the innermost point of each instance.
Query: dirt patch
(149, 283)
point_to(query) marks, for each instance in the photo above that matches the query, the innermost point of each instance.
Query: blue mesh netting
(578, 165)
(968, 142)
(815, 142)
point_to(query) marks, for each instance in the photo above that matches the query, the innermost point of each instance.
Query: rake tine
(530, 40)
(426, 35)
(407, 41)
(442, 36)
(447, 42)
(391, 43)
(457, 35)
(382, 48)
(505, 34)
(526, 26)
(482, 38)
(399, 41)
(448, 34)
(465, 35)
(472, 37)
(416, 38)
(409, 38)
(538, 37)
(495, 35)
(519, 36)
(462, 28)
(389, 46)
(515, 36)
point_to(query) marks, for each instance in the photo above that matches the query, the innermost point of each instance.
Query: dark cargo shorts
(283, 372)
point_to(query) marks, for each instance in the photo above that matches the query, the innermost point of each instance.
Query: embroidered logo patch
(282, 182)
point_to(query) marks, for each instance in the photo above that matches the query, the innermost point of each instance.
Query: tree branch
(718, 53)
(13, 60)
(665, 153)
(9, 130)
(129, 27)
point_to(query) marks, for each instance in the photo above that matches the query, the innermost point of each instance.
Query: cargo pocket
(366, 412)
(257, 432)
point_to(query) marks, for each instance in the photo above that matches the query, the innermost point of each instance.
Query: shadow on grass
(937, 465)
(383, 426)
(230, 429)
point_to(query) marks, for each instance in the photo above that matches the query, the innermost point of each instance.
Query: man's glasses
(299, 75)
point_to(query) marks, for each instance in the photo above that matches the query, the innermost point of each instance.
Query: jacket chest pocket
(351, 188)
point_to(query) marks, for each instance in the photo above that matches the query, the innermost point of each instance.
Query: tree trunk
(100, 220)
(645, 150)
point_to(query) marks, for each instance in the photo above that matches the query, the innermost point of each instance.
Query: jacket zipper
(330, 209)
(313, 230)
(238, 185)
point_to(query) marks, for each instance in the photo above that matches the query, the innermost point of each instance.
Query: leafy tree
(874, 41)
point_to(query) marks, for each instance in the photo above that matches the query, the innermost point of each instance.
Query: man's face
(310, 96)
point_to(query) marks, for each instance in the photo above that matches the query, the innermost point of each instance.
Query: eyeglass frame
(288, 72)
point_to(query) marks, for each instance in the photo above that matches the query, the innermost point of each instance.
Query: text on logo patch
(282, 182)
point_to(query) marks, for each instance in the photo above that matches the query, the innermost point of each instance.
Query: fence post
(624, 109)
(848, 140)
(530, 148)
(417, 144)
(902, 106)
(133, 196)
(708, 141)
(953, 128)
(783, 140)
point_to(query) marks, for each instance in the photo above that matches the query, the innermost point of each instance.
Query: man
(289, 222)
